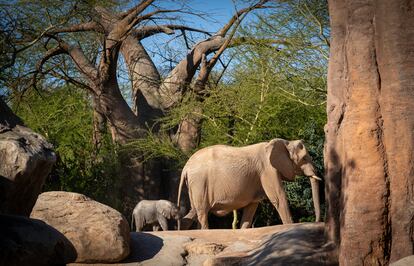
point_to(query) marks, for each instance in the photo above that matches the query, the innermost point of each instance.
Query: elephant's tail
(180, 187)
(132, 222)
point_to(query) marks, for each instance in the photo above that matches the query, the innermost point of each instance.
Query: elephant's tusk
(316, 177)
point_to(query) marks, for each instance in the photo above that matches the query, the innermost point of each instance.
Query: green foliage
(64, 117)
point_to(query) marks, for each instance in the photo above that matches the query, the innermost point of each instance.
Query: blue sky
(218, 12)
(221, 10)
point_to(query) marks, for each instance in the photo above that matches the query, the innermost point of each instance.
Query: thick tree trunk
(145, 81)
(152, 98)
(137, 180)
(99, 126)
(369, 149)
(187, 136)
(122, 121)
(178, 80)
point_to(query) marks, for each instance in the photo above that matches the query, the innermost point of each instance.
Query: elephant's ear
(166, 214)
(279, 158)
(164, 209)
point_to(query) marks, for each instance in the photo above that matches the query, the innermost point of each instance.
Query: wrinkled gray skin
(221, 179)
(155, 213)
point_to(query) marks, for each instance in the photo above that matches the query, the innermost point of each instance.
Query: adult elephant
(222, 178)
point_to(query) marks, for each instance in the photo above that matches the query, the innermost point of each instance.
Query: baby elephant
(155, 212)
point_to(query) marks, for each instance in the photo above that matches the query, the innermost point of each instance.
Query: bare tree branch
(125, 25)
(206, 67)
(223, 31)
(71, 80)
(147, 31)
(79, 58)
(39, 66)
(82, 27)
(178, 80)
(131, 17)
(134, 11)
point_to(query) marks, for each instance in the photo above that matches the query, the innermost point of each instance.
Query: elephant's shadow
(143, 246)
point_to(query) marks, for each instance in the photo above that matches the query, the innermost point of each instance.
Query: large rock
(26, 160)
(298, 245)
(369, 148)
(293, 244)
(98, 232)
(406, 261)
(25, 241)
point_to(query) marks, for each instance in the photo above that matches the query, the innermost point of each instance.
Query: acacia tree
(122, 33)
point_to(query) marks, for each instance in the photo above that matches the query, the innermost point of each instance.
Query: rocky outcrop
(25, 241)
(26, 160)
(98, 232)
(298, 245)
(293, 244)
(369, 151)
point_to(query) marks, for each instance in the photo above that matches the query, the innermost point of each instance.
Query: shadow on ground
(300, 245)
(144, 247)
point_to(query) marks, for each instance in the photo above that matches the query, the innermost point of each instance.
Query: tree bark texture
(369, 151)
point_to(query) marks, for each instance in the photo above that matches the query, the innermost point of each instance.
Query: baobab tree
(121, 34)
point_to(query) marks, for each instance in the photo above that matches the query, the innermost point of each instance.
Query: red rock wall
(369, 156)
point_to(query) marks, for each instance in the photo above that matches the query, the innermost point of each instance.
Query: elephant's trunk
(315, 196)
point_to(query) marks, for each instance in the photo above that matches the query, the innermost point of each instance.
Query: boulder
(27, 241)
(26, 160)
(407, 261)
(98, 232)
(290, 244)
(302, 244)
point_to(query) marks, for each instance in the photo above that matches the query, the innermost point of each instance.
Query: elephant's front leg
(155, 227)
(163, 222)
(275, 191)
(248, 213)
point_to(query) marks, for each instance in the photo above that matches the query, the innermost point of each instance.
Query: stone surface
(98, 232)
(370, 131)
(299, 245)
(407, 261)
(26, 160)
(294, 244)
(25, 241)
(150, 249)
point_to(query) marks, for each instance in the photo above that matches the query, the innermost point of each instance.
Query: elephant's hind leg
(202, 216)
(139, 223)
(248, 213)
(199, 201)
